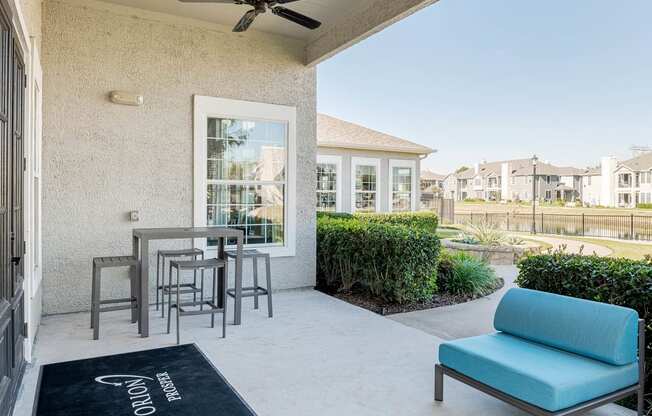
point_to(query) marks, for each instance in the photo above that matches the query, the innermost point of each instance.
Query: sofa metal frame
(639, 388)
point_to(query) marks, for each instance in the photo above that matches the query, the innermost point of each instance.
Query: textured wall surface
(383, 183)
(102, 160)
(32, 14)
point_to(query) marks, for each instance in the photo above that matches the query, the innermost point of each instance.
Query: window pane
(401, 189)
(326, 187)
(255, 209)
(247, 150)
(365, 201)
(326, 201)
(365, 178)
(326, 177)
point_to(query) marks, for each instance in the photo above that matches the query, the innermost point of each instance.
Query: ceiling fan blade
(246, 21)
(210, 1)
(285, 1)
(295, 17)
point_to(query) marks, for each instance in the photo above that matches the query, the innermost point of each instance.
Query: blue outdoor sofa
(551, 355)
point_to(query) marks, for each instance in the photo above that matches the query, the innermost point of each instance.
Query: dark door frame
(12, 216)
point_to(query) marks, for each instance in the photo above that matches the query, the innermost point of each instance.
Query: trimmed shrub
(620, 281)
(424, 220)
(324, 214)
(395, 263)
(644, 206)
(463, 274)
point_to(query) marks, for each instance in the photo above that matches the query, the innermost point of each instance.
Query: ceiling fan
(260, 7)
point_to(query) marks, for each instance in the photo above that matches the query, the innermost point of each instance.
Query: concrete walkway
(573, 246)
(462, 320)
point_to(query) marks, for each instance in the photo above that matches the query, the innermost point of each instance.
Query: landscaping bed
(391, 263)
(362, 299)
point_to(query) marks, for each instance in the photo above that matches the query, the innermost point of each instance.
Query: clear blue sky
(569, 80)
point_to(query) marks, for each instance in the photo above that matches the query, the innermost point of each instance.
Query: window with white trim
(402, 185)
(244, 165)
(365, 184)
(329, 183)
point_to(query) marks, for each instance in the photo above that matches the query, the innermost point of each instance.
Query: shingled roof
(642, 162)
(333, 132)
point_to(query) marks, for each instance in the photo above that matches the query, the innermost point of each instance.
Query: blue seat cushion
(596, 330)
(546, 377)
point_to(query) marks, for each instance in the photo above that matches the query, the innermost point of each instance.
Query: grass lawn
(447, 232)
(621, 249)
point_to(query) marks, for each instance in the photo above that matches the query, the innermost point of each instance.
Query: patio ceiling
(345, 22)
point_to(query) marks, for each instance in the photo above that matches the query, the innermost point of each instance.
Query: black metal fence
(626, 227)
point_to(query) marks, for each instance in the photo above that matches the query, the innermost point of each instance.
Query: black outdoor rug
(176, 381)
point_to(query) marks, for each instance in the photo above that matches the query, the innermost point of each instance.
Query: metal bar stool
(255, 290)
(160, 271)
(100, 263)
(213, 308)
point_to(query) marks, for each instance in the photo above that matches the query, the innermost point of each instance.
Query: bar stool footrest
(212, 309)
(118, 308)
(248, 292)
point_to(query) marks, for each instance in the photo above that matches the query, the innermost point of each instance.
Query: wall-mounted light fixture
(126, 98)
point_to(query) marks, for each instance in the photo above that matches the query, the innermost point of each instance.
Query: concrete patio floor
(317, 356)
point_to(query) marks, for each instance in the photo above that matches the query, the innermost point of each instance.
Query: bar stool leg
(96, 303)
(268, 272)
(136, 303)
(164, 287)
(214, 291)
(178, 301)
(93, 296)
(169, 297)
(225, 276)
(255, 265)
(158, 281)
(194, 282)
(134, 294)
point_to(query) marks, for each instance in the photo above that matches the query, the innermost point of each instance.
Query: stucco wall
(32, 13)
(102, 160)
(348, 154)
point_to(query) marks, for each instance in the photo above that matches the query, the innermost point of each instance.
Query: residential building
(633, 181)
(511, 180)
(432, 182)
(591, 186)
(623, 184)
(363, 170)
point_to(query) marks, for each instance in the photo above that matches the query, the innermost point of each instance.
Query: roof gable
(333, 132)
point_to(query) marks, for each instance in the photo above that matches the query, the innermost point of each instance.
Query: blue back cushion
(600, 331)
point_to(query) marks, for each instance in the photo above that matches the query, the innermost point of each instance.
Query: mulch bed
(364, 300)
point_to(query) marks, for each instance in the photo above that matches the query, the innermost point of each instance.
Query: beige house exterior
(363, 170)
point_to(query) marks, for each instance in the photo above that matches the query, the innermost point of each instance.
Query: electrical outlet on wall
(134, 216)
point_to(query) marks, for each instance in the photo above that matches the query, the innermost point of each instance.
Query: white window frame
(366, 161)
(402, 163)
(213, 107)
(337, 161)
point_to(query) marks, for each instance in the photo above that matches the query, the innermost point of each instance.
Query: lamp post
(535, 159)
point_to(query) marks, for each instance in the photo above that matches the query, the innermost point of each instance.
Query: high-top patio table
(141, 239)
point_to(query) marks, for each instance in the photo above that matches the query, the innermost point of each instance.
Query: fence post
(507, 215)
(486, 218)
(583, 229)
(542, 223)
(631, 227)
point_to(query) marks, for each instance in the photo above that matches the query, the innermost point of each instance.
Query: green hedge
(425, 221)
(395, 263)
(617, 281)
